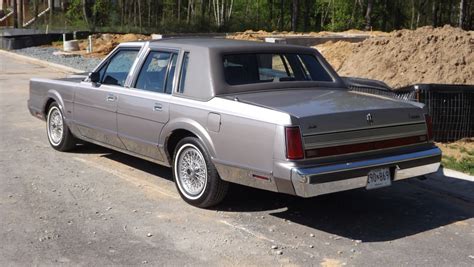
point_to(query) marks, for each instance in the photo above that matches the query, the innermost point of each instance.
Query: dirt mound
(425, 55)
(104, 43)
(261, 34)
(336, 53)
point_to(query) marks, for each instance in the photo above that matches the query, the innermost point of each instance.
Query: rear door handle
(111, 98)
(158, 107)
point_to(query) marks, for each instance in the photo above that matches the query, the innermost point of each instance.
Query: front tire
(195, 175)
(59, 135)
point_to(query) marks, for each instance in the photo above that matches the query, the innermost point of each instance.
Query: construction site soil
(399, 58)
(425, 55)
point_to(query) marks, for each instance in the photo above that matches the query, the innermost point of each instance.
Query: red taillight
(362, 147)
(429, 127)
(294, 146)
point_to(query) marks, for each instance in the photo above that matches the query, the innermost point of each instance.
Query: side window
(153, 75)
(117, 70)
(184, 68)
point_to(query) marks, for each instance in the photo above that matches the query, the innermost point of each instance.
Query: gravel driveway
(46, 54)
(94, 206)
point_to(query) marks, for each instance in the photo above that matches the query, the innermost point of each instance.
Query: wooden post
(15, 14)
(20, 10)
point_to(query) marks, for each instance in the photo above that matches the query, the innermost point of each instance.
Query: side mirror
(94, 77)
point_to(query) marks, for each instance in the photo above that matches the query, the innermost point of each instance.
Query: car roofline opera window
(252, 68)
(183, 72)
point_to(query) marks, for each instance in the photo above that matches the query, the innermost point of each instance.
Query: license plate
(378, 178)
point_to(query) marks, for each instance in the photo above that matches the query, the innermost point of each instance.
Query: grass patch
(465, 164)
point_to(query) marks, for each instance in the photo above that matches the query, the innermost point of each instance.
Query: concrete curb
(40, 62)
(449, 182)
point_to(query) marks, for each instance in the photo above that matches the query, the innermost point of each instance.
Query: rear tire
(195, 175)
(59, 135)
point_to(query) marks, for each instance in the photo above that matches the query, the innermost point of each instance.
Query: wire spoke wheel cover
(191, 171)
(55, 126)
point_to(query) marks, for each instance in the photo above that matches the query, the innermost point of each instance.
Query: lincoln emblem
(370, 119)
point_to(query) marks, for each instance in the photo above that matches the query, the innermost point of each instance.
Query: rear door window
(157, 72)
(116, 71)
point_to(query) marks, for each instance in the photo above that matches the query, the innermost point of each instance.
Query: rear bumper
(314, 181)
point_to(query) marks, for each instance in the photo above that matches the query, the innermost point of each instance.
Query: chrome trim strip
(365, 128)
(301, 177)
(241, 166)
(128, 152)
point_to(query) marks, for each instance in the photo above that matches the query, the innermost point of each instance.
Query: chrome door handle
(157, 107)
(111, 98)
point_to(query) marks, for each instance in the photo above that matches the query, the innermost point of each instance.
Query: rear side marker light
(294, 144)
(260, 177)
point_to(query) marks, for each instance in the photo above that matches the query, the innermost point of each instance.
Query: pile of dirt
(404, 57)
(261, 34)
(104, 43)
(336, 53)
(252, 35)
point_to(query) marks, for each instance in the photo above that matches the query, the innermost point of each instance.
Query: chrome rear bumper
(314, 181)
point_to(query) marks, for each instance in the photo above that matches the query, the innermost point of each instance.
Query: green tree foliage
(238, 15)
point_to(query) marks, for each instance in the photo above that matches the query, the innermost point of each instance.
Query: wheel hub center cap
(190, 172)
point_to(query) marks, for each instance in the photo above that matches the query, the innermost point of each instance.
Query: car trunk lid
(335, 117)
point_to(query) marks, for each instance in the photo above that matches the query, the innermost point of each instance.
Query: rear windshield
(269, 67)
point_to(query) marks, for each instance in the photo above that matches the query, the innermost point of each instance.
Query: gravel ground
(94, 206)
(46, 53)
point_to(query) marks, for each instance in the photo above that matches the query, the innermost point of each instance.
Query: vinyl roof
(220, 44)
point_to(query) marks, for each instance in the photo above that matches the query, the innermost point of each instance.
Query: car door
(95, 104)
(143, 109)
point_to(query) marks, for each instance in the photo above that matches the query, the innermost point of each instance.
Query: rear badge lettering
(370, 119)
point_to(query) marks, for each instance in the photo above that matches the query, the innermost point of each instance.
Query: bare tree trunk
(282, 14)
(84, 13)
(435, 13)
(462, 13)
(149, 13)
(203, 12)
(21, 12)
(122, 11)
(51, 8)
(270, 5)
(179, 11)
(307, 9)
(15, 14)
(368, 15)
(188, 15)
(258, 14)
(294, 15)
(140, 15)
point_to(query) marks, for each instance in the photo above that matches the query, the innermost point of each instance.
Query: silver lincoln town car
(270, 116)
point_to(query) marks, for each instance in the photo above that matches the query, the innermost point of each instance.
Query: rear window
(266, 67)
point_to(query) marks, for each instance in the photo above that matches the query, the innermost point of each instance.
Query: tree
(294, 15)
(368, 14)
(462, 13)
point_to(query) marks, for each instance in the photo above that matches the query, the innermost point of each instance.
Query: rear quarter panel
(243, 138)
(43, 90)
